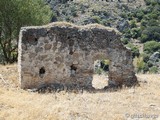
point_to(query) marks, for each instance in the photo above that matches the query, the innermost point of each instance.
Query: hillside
(137, 20)
(128, 103)
(93, 11)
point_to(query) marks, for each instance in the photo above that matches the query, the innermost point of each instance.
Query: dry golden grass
(17, 104)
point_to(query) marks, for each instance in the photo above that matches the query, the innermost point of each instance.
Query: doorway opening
(100, 76)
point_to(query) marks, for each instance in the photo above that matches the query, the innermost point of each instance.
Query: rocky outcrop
(62, 53)
(154, 59)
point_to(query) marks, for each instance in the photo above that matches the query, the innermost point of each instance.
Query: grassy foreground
(128, 103)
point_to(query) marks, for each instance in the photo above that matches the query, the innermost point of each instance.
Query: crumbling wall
(65, 53)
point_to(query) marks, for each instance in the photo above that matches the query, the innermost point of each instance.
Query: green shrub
(149, 64)
(134, 50)
(125, 40)
(104, 22)
(152, 22)
(151, 46)
(140, 65)
(153, 69)
(135, 33)
(106, 13)
(96, 19)
(146, 18)
(148, 2)
(144, 38)
(145, 68)
(139, 14)
(68, 18)
(123, 15)
(125, 7)
(130, 16)
(151, 33)
(133, 24)
(64, 12)
(145, 57)
(82, 7)
(74, 14)
(127, 33)
(154, 15)
(73, 9)
(144, 22)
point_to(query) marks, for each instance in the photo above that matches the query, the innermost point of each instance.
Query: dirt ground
(142, 102)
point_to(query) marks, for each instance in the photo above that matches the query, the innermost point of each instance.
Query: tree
(15, 14)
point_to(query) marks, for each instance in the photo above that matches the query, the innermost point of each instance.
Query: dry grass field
(126, 104)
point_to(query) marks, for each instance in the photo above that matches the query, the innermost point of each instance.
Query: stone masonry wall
(64, 53)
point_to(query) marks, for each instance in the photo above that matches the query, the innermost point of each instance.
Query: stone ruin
(63, 53)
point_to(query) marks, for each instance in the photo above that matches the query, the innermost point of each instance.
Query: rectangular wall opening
(100, 76)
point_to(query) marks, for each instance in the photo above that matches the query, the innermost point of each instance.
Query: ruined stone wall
(64, 53)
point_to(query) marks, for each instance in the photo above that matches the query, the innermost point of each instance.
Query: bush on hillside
(153, 69)
(151, 33)
(134, 50)
(151, 46)
(140, 65)
(96, 19)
